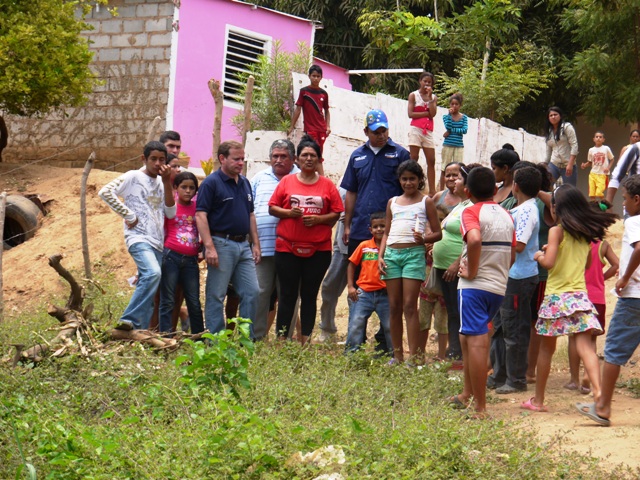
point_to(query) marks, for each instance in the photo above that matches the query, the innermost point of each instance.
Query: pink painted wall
(200, 56)
(337, 74)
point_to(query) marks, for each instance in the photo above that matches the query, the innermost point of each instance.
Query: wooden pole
(216, 93)
(151, 134)
(3, 204)
(83, 214)
(248, 98)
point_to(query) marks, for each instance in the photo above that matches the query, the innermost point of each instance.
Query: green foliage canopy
(44, 62)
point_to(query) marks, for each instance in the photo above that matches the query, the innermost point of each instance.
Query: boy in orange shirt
(370, 293)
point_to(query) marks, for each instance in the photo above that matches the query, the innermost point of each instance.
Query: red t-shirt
(314, 101)
(367, 254)
(181, 233)
(318, 199)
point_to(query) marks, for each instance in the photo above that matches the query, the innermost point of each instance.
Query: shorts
(320, 138)
(477, 309)
(601, 314)
(434, 309)
(566, 313)
(417, 138)
(623, 336)
(452, 154)
(597, 184)
(536, 301)
(405, 263)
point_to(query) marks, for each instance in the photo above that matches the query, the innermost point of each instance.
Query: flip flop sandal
(570, 386)
(455, 402)
(529, 405)
(589, 411)
(585, 390)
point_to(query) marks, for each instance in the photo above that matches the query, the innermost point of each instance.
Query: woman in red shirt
(308, 205)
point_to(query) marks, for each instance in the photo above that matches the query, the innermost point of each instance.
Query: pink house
(216, 39)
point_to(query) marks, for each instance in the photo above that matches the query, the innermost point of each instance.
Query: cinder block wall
(131, 56)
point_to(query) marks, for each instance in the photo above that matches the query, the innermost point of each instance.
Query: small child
(594, 277)
(370, 294)
(566, 308)
(599, 158)
(512, 324)
(456, 125)
(180, 256)
(313, 101)
(402, 255)
(489, 251)
(624, 330)
(147, 199)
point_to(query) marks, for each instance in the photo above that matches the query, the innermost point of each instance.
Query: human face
(454, 106)
(378, 138)
(186, 190)
(598, 139)
(459, 188)
(308, 159)
(173, 146)
(426, 84)
(409, 182)
(554, 118)
(315, 78)
(377, 228)
(232, 165)
(281, 162)
(451, 174)
(499, 172)
(634, 138)
(630, 203)
(153, 162)
(175, 169)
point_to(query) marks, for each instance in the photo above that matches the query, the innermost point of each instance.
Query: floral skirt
(566, 313)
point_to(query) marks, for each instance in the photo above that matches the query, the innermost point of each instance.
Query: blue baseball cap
(376, 119)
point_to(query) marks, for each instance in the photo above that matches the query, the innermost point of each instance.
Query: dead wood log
(216, 93)
(76, 296)
(83, 214)
(145, 336)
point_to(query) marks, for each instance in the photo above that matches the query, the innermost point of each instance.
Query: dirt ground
(28, 280)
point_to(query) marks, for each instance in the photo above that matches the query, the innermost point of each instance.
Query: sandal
(584, 390)
(570, 386)
(529, 405)
(455, 402)
(589, 411)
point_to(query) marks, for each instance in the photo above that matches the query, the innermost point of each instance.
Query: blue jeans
(236, 264)
(178, 269)
(359, 313)
(557, 172)
(147, 259)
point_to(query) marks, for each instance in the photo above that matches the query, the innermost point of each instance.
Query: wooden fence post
(151, 134)
(83, 214)
(3, 204)
(248, 98)
(214, 88)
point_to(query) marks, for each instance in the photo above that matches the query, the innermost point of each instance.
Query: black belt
(233, 238)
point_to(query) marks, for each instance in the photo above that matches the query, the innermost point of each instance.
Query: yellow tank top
(567, 275)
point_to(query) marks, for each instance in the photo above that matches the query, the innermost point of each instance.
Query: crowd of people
(499, 260)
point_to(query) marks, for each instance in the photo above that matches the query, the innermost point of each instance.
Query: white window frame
(248, 33)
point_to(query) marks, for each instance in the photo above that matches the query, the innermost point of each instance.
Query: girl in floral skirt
(566, 308)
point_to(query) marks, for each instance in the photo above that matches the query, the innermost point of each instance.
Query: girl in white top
(412, 222)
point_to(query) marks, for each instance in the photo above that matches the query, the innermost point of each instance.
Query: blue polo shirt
(228, 204)
(373, 178)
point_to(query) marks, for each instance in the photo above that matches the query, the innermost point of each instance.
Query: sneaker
(492, 385)
(506, 389)
(124, 325)
(326, 337)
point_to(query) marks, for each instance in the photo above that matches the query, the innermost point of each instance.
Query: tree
(606, 67)
(44, 62)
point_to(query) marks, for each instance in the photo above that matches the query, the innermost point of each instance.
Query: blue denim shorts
(623, 336)
(405, 263)
(477, 309)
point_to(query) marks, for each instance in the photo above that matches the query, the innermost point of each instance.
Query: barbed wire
(2, 174)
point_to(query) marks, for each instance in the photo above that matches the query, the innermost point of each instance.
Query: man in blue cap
(370, 181)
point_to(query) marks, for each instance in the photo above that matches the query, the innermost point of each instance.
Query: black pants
(304, 276)
(450, 294)
(381, 339)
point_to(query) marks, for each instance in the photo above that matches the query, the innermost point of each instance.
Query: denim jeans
(148, 260)
(557, 172)
(182, 270)
(359, 313)
(511, 334)
(236, 264)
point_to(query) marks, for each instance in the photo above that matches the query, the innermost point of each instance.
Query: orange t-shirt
(367, 254)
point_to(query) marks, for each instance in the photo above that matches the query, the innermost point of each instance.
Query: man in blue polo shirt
(282, 155)
(224, 215)
(370, 181)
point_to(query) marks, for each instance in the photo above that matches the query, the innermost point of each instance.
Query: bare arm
(474, 249)
(546, 257)
(349, 205)
(255, 241)
(279, 212)
(382, 266)
(327, 218)
(211, 255)
(351, 284)
(294, 118)
(612, 258)
(327, 119)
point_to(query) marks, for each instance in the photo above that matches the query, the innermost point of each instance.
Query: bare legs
(430, 155)
(403, 298)
(475, 350)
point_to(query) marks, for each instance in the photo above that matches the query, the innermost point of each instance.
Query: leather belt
(233, 238)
